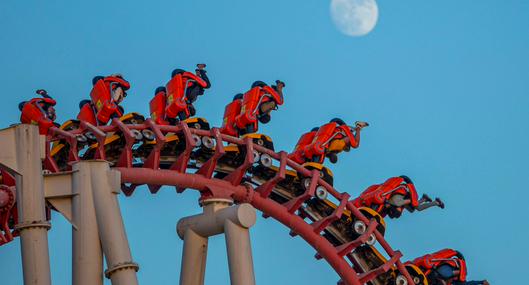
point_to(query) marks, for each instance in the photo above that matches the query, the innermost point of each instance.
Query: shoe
(426, 198)
(440, 203)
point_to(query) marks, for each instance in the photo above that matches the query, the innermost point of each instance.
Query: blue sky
(444, 85)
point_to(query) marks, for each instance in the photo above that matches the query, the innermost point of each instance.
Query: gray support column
(217, 218)
(239, 254)
(105, 184)
(193, 259)
(87, 257)
(33, 225)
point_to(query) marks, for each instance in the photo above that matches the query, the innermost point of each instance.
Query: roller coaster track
(195, 167)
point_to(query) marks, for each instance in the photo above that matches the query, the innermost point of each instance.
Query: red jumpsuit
(378, 195)
(35, 112)
(428, 263)
(102, 107)
(177, 102)
(247, 119)
(304, 141)
(315, 151)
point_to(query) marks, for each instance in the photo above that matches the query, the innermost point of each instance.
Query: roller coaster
(188, 154)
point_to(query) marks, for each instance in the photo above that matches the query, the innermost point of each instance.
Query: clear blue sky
(444, 85)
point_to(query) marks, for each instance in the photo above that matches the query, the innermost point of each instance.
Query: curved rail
(215, 179)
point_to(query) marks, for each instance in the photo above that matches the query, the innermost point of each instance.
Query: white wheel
(266, 160)
(208, 142)
(137, 135)
(90, 136)
(306, 183)
(197, 126)
(148, 134)
(371, 240)
(256, 156)
(197, 140)
(401, 280)
(321, 192)
(81, 138)
(359, 227)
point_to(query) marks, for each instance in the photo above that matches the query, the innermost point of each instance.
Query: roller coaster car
(36, 112)
(235, 154)
(348, 228)
(294, 183)
(368, 257)
(175, 144)
(60, 149)
(442, 267)
(115, 141)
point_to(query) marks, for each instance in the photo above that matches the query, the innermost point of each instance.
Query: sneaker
(440, 203)
(427, 198)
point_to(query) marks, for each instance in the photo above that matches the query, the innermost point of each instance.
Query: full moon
(354, 17)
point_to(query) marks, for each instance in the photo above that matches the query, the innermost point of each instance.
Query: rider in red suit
(314, 146)
(174, 102)
(242, 115)
(231, 111)
(106, 95)
(393, 196)
(304, 141)
(445, 267)
(39, 111)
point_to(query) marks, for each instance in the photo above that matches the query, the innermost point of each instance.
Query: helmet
(406, 179)
(160, 89)
(339, 121)
(177, 71)
(258, 83)
(238, 96)
(315, 129)
(96, 79)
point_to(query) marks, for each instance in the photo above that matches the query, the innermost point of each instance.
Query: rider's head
(315, 129)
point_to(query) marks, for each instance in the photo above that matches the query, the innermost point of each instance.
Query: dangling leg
(426, 205)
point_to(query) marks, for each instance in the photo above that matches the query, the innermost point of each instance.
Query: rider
(446, 266)
(242, 115)
(106, 95)
(174, 102)
(395, 195)
(304, 141)
(328, 140)
(39, 111)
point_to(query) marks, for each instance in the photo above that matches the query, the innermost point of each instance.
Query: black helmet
(406, 179)
(159, 89)
(315, 129)
(96, 79)
(238, 96)
(258, 83)
(177, 71)
(21, 105)
(83, 102)
(339, 121)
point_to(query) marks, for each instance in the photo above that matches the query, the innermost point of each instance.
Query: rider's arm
(203, 74)
(354, 139)
(197, 79)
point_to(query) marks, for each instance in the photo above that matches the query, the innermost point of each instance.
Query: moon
(354, 17)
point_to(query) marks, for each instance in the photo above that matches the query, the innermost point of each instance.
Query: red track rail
(231, 186)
